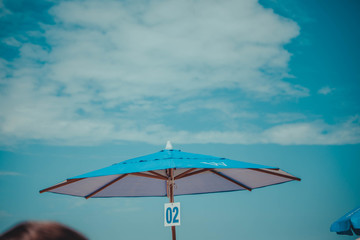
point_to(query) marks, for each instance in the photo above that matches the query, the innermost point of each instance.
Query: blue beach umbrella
(348, 223)
(170, 173)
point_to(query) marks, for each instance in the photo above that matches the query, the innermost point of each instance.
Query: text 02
(172, 214)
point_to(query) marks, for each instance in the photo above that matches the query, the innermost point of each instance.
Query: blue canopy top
(190, 173)
(348, 223)
(166, 159)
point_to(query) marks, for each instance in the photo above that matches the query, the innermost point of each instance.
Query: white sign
(171, 214)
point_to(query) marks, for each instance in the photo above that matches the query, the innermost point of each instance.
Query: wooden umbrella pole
(171, 190)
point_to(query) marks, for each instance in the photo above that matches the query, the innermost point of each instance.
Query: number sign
(172, 214)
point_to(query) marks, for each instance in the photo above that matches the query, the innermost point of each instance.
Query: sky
(87, 83)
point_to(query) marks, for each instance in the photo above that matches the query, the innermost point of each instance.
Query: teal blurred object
(348, 224)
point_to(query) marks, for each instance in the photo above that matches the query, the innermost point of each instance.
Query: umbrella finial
(168, 146)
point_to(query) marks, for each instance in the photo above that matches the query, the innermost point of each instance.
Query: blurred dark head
(41, 231)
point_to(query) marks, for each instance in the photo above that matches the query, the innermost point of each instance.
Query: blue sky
(85, 84)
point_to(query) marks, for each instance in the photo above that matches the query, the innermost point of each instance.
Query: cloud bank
(153, 70)
(7, 173)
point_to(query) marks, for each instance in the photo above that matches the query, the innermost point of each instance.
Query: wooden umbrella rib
(68, 181)
(105, 186)
(193, 173)
(184, 173)
(231, 180)
(139, 174)
(158, 174)
(275, 173)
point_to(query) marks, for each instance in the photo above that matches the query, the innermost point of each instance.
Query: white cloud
(305, 133)
(4, 214)
(11, 41)
(314, 133)
(122, 71)
(3, 10)
(133, 51)
(325, 90)
(282, 117)
(8, 173)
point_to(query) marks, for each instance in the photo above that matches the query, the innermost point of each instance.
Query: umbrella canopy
(348, 223)
(150, 175)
